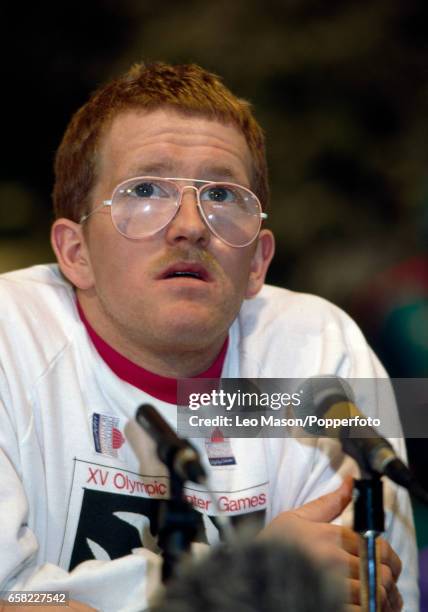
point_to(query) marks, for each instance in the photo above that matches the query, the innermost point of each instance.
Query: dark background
(341, 88)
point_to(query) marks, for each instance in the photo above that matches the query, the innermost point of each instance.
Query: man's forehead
(164, 142)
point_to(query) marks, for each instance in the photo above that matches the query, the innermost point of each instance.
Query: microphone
(178, 454)
(331, 397)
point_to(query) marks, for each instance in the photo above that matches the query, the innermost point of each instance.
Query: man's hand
(337, 546)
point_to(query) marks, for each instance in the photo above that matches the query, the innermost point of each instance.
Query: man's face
(128, 291)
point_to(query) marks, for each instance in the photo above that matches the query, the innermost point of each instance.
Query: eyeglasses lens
(232, 212)
(141, 208)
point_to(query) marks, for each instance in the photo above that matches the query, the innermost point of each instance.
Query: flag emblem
(108, 438)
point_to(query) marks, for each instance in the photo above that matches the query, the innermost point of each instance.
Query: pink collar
(161, 387)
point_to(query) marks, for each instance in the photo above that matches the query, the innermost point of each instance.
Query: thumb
(328, 507)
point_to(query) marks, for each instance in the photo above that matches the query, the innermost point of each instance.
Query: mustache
(177, 254)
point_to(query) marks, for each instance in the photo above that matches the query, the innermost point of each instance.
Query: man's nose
(188, 223)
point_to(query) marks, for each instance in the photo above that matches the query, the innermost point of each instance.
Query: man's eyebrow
(151, 169)
(218, 173)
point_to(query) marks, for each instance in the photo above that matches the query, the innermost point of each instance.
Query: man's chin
(192, 333)
(189, 333)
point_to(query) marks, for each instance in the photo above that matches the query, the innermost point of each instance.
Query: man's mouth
(185, 270)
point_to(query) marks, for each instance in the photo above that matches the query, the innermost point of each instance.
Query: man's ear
(260, 263)
(69, 244)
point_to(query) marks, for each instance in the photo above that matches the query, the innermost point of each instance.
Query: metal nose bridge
(183, 188)
(197, 200)
(200, 213)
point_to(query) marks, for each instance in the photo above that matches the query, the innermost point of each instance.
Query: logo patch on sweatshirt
(219, 449)
(108, 438)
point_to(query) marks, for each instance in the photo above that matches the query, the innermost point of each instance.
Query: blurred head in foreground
(254, 577)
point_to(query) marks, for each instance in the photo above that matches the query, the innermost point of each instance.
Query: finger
(385, 605)
(355, 596)
(343, 537)
(338, 559)
(395, 600)
(390, 597)
(389, 587)
(399, 603)
(353, 592)
(388, 556)
(385, 601)
(350, 540)
(328, 507)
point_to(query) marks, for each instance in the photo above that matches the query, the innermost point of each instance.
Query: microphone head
(319, 394)
(178, 454)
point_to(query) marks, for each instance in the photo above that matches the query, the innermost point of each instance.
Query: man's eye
(148, 190)
(144, 190)
(219, 194)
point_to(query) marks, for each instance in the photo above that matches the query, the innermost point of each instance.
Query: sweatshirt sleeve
(124, 584)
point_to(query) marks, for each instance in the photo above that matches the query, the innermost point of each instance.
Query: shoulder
(37, 314)
(301, 334)
(272, 302)
(28, 287)
(299, 315)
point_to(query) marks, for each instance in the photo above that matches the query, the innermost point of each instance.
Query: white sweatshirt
(79, 482)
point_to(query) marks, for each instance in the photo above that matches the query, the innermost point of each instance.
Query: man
(160, 182)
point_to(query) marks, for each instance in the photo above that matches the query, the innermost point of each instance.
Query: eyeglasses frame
(181, 189)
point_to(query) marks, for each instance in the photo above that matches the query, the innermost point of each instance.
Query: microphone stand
(178, 525)
(177, 520)
(369, 522)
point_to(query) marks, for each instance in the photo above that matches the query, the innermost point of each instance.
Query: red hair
(187, 89)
